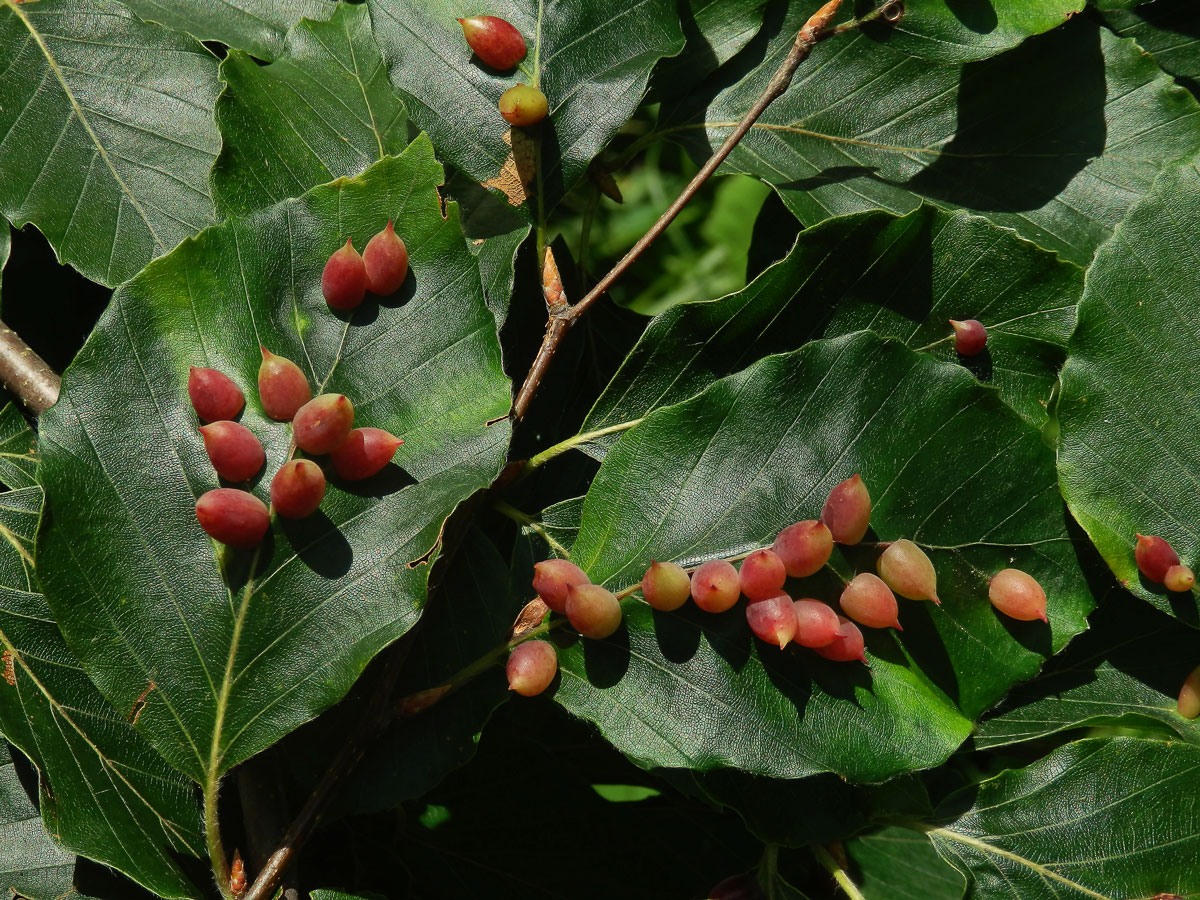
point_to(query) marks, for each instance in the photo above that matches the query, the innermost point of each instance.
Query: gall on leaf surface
(329, 591)
(1126, 458)
(594, 58)
(1040, 138)
(723, 472)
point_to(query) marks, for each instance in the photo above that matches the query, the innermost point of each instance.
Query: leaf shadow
(1019, 142)
(388, 480)
(606, 661)
(320, 544)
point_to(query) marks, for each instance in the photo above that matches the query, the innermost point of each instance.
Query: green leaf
(592, 61)
(901, 277)
(1126, 456)
(723, 472)
(18, 449)
(239, 654)
(106, 794)
(324, 109)
(1097, 819)
(31, 864)
(864, 127)
(898, 864)
(1126, 669)
(1167, 30)
(715, 31)
(945, 31)
(106, 132)
(255, 26)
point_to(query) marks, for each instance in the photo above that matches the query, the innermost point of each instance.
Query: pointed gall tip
(265, 352)
(1042, 616)
(862, 658)
(460, 20)
(936, 600)
(897, 625)
(389, 226)
(783, 642)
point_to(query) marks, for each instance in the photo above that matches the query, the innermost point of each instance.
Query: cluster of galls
(800, 550)
(500, 45)
(320, 425)
(380, 269)
(1157, 560)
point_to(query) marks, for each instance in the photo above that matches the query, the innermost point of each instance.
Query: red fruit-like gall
(386, 260)
(715, 586)
(1018, 595)
(531, 667)
(523, 105)
(847, 512)
(666, 586)
(908, 571)
(847, 646)
(322, 423)
(970, 337)
(816, 623)
(213, 394)
(804, 547)
(593, 611)
(773, 620)
(1154, 557)
(495, 41)
(553, 578)
(762, 575)
(868, 601)
(297, 489)
(364, 453)
(1179, 579)
(233, 517)
(1189, 696)
(344, 281)
(282, 387)
(235, 452)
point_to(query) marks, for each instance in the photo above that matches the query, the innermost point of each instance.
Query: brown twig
(25, 373)
(813, 32)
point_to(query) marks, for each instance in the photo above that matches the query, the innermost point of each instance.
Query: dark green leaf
(106, 794)
(106, 132)
(948, 31)
(1125, 669)
(1168, 30)
(898, 864)
(714, 30)
(324, 109)
(238, 655)
(901, 277)
(31, 864)
(1097, 819)
(722, 473)
(18, 449)
(1127, 460)
(592, 61)
(863, 126)
(256, 26)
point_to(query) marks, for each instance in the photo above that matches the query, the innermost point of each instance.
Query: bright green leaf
(1127, 458)
(31, 864)
(106, 132)
(1127, 668)
(592, 61)
(106, 794)
(1167, 30)
(256, 26)
(714, 30)
(1098, 819)
(901, 277)
(323, 109)
(948, 31)
(1057, 138)
(723, 472)
(235, 663)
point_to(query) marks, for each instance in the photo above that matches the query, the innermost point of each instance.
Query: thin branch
(809, 36)
(25, 373)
